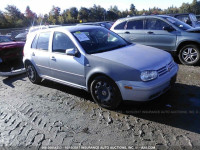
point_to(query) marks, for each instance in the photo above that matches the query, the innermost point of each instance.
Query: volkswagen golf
(99, 61)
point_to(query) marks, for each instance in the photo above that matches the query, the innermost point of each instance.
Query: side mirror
(169, 29)
(71, 52)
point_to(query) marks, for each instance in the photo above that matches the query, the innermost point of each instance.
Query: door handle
(150, 32)
(53, 58)
(127, 32)
(33, 54)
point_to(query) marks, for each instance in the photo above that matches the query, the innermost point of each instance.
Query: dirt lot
(55, 115)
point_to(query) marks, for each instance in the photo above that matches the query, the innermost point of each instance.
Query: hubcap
(189, 55)
(103, 91)
(30, 72)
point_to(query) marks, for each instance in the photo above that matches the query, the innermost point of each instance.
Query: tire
(32, 74)
(190, 55)
(105, 92)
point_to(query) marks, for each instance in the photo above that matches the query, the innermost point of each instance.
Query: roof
(71, 28)
(179, 14)
(144, 16)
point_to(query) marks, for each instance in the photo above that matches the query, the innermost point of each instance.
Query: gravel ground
(54, 115)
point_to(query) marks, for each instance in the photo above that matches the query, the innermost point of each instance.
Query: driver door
(157, 37)
(65, 67)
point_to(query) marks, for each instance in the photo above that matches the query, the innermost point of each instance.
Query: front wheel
(190, 55)
(32, 74)
(105, 92)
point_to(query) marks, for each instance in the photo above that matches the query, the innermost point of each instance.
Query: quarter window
(156, 24)
(61, 42)
(43, 41)
(135, 25)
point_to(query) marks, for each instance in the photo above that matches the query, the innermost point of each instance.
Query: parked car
(188, 18)
(100, 62)
(106, 24)
(163, 32)
(21, 37)
(10, 51)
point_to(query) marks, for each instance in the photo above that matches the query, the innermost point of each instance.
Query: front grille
(166, 68)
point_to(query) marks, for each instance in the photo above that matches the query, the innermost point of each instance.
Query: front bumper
(144, 91)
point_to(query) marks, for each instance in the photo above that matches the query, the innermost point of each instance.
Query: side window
(135, 25)
(34, 43)
(61, 42)
(43, 41)
(156, 24)
(120, 26)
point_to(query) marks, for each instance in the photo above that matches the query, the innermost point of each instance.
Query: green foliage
(73, 12)
(12, 17)
(83, 14)
(132, 9)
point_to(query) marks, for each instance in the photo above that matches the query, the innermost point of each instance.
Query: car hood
(195, 30)
(137, 56)
(7, 45)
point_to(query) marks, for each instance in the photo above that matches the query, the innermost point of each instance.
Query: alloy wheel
(190, 55)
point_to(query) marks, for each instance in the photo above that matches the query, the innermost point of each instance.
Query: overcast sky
(44, 6)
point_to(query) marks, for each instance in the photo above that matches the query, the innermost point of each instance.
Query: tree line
(12, 17)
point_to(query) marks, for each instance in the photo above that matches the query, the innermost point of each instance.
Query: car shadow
(10, 80)
(179, 107)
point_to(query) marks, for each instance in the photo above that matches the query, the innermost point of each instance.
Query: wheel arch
(93, 76)
(29, 61)
(184, 43)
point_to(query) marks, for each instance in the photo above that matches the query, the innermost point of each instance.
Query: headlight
(148, 75)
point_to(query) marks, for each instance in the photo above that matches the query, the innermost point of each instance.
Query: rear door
(134, 32)
(155, 36)
(40, 53)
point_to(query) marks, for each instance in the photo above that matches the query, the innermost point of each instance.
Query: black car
(188, 18)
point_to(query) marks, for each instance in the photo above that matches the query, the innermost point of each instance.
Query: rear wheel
(32, 73)
(105, 92)
(190, 55)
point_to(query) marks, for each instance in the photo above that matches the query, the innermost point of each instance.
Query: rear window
(43, 41)
(135, 25)
(120, 26)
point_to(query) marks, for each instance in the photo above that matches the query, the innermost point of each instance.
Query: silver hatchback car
(99, 61)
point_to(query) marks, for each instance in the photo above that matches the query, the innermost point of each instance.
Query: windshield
(5, 39)
(181, 25)
(99, 40)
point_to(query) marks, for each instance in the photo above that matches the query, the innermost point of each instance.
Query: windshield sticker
(81, 36)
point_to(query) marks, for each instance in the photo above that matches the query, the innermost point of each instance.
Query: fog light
(128, 87)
